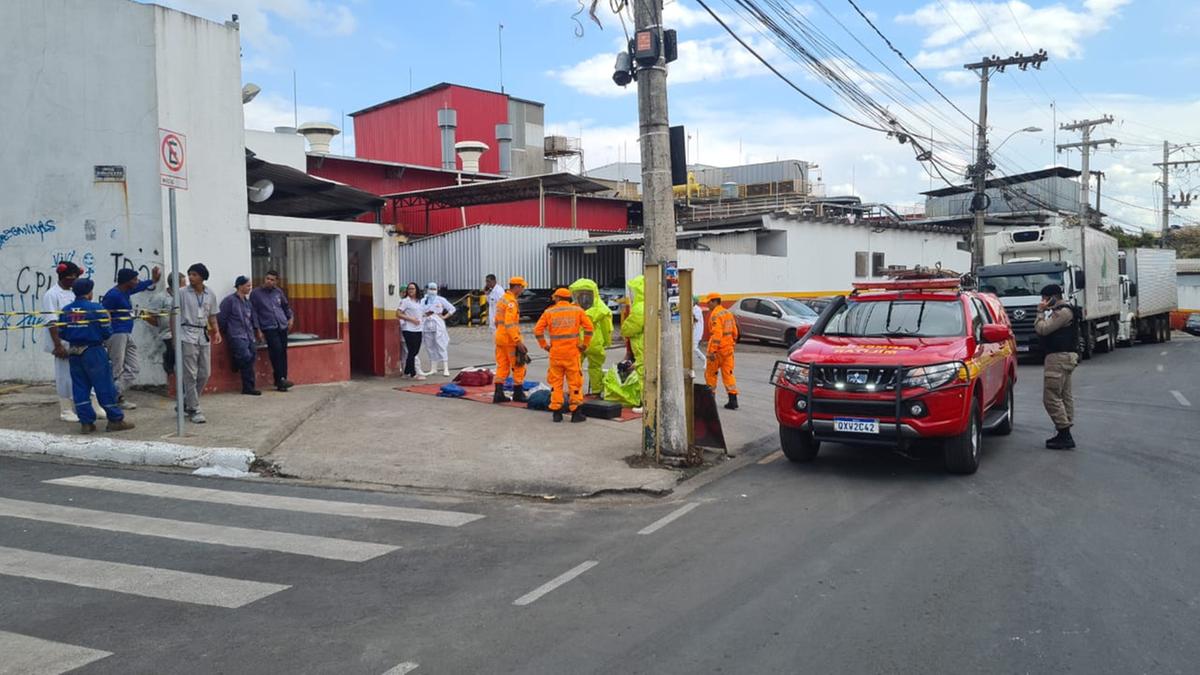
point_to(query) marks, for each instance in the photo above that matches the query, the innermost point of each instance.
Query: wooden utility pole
(665, 419)
(986, 66)
(1085, 146)
(1166, 165)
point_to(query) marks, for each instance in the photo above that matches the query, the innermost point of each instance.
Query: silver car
(773, 319)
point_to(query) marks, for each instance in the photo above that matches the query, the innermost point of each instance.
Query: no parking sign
(172, 159)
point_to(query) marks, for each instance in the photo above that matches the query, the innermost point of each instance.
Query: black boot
(578, 416)
(732, 405)
(519, 394)
(499, 396)
(558, 416)
(1062, 441)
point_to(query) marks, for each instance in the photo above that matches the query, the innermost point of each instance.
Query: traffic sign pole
(176, 316)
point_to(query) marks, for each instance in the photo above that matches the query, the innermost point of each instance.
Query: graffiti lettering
(19, 339)
(40, 228)
(33, 283)
(120, 262)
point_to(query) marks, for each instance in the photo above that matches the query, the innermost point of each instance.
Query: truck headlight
(938, 375)
(794, 373)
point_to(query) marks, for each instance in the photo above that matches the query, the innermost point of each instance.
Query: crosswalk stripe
(150, 582)
(25, 655)
(266, 540)
(265, 501)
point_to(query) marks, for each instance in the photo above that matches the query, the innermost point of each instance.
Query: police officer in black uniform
(1055, 325)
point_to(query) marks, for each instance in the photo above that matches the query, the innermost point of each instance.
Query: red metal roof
(437, 87)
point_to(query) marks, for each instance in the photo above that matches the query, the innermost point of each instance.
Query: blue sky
(1133, 59)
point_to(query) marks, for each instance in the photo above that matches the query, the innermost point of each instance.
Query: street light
(1026, 130)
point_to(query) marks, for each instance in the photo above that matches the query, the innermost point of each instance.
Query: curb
(152, 453)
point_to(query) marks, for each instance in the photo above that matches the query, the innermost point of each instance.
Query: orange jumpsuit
(722, 335)
(570, 332)
(508, 336)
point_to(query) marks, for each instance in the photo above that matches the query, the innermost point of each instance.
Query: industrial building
(92, 112)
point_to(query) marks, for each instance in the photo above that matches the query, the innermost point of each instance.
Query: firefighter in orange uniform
(722, 336)
(570, 332)
(511, 353)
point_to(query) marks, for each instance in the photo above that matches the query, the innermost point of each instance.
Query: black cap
(240, 280)
(126, 275)
(1051, 290)
(82, 287)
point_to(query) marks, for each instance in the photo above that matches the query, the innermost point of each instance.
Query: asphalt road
(864, 562)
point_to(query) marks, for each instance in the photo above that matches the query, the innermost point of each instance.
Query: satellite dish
(261, 191)
(250, 90)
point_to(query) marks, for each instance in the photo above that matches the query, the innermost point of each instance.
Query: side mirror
(1080, 279)
(777, 314)
(994, 332)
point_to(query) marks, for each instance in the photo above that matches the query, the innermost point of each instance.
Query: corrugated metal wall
(606, 266)
(310, 279)
(751, 174)
(740, 242)
(1056, 191)
(459, 260)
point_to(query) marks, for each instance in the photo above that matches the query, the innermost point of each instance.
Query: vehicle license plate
(856, 425)
(1022, 348)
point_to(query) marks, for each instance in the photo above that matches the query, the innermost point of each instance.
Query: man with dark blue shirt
(275, 319)
(239, 325)
(84, 325)
(121, 349)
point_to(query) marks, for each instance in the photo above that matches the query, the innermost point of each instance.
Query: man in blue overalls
(85, 326)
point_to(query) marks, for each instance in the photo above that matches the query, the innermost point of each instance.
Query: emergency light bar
(909, 285)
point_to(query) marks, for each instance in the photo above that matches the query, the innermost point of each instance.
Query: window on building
(860, 264)
(307, 267)
(877, 266)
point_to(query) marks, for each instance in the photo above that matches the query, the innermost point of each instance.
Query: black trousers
(243, 360)
(412, 345)
(169, 357)
(277, 350)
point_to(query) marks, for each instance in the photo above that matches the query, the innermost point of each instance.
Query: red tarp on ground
(484, 395)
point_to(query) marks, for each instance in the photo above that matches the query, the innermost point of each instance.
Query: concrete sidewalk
(368, 432)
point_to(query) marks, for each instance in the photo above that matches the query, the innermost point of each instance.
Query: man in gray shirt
(198, 320)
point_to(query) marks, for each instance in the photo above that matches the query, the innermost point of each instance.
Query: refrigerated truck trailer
(1019, 262)
(1149, 293)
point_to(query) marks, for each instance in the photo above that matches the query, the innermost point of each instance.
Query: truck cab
(896, 363)
(1018, 285)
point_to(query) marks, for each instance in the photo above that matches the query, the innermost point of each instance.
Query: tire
(961, 453)
(789, 337)
(798, 445)
(1006, 427)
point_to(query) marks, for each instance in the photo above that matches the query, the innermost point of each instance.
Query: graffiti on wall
(41, 228)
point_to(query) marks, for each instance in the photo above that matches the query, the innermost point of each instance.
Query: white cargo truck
(1019, 262)
(1149, 293)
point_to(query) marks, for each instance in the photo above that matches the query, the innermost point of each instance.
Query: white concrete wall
(285, 149)
(89, 82)
(77, 89)
(1189, 297)
(820, 259)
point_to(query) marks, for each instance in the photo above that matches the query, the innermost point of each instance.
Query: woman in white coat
(435, 310)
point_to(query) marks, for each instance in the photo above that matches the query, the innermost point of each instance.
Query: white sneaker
(446, 372)
(419, 376)
(68, 416)
(198, 418)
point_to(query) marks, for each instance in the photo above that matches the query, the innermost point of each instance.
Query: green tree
(1185, 241)
(1129, 240)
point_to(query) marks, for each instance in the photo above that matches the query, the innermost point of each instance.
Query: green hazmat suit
(633, 327)
(601, 317)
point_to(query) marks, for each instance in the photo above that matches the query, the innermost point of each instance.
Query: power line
(780, 75)
(906, 61)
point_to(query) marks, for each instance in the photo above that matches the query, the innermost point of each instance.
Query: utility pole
(1085, 147)
(986, 67)
(1099, 177)
(667, 431)
(1166, 165)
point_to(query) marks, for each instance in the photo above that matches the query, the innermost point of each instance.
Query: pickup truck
(899, 362)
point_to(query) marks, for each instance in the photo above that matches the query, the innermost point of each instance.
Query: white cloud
(268, 46)
(678, 14)
(703, 60)
(268, 111)
(1004, 28)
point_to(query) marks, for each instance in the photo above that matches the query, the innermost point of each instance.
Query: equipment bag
(604, 410)
(451, 390)
(475, 378)
(539, 400)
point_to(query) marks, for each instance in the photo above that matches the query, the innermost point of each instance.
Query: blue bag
(452, 390)
(539, 400)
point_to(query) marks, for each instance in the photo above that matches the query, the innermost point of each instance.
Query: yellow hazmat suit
(587, 296)
(633, 327)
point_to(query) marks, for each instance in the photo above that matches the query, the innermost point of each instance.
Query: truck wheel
(1005, 428)
(961, 453)
(798, 445)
